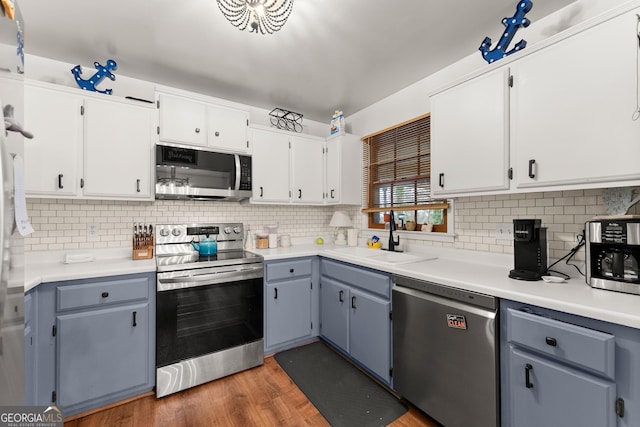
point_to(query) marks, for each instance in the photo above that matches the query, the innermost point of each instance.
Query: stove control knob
(227, 230)
(164, 232)
(236, 230)
(176, 232)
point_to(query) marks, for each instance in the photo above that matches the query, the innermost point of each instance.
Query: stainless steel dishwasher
(445, 354)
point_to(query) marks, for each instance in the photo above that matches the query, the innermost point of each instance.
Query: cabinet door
(182, 120)
(469, 136)
(100, 352)
(288, 306)
(118, 149)
(370, 332)
(572, 109)
(556, 395)
(343, 170)
(334, 312)
(307, 170)
(53, 158)
(270, 166)
(227, 129)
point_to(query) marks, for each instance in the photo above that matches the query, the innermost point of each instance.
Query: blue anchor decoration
(512, 25)
(100, 74)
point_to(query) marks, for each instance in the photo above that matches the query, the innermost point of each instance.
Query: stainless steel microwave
(188, 173)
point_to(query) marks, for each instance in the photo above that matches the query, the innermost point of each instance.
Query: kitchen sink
(378, 255)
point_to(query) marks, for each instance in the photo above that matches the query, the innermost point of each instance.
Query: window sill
(412, 235)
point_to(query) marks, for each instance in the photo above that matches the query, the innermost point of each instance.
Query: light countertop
(488, 274)
(41, 267)
(481, 272)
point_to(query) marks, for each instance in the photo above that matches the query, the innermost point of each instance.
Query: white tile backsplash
(62, 224)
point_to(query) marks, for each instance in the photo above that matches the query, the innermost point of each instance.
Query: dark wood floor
(262, 396)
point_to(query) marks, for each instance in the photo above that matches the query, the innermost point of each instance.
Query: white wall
(413, 101)
(57, 72)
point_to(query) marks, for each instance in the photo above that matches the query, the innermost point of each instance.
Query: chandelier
(262, 16)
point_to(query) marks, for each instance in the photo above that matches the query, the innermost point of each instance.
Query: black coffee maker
(529, 249)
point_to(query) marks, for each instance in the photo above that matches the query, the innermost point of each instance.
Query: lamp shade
(340, 219)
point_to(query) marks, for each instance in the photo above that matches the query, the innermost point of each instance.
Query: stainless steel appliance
(529, 249)
(613, 253)
(445, 353)
(209, 308)
(12, 298)
(189, 173)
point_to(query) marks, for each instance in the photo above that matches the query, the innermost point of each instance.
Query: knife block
(143, 251)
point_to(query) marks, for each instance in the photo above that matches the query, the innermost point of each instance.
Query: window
(397, 175)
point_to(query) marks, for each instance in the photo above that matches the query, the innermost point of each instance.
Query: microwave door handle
(236, 157)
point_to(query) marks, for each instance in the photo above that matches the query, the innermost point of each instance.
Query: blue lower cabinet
(290, 302)
(95, 341)
(355, 314)
(559, 369)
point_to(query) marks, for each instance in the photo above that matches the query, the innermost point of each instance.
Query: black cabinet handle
(197, 130)
(291, 270)
(531, 163)
(527, 378)
(353, 302)
(299, 193)
(137, 185)
(261, 191)
(441, 180)
(275, 294)
(340, 294)
(60, 181)
(332, 194)
(551, 341)
(105, 294)
(134, 319)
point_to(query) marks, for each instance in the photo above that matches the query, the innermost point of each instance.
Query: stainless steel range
(209, 308)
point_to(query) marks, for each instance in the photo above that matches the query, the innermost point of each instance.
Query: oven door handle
(181, 282)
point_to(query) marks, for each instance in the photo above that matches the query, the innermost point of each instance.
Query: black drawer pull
(527, 375)
(105, 294)
(291, 270)
(551, 341)
(340, 294)
(275, 294)
(134, 319)
(531, 163)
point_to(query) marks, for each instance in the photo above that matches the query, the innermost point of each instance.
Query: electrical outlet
(504, 231)
(92, 232)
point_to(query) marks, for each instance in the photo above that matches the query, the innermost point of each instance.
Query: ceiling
(331, 54)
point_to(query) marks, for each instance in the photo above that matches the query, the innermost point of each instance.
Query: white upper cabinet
(270, 166)
(228, 129)
(53, 160)
(343, 170)
(182, 120)
(572, 109)
(470, 136)
(195, 122)
(87, 145)
(118, 149)
(307, 170)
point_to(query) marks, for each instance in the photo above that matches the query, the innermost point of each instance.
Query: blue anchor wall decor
(100, 74)
(512, 25)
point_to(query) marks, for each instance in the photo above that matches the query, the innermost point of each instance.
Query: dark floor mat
(343, 394)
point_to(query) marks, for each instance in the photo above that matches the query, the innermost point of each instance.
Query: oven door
(207, 310)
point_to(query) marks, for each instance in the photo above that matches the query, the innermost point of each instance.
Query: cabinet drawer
(377, 283)
(288, 269)
(101, 293)
(573, 344)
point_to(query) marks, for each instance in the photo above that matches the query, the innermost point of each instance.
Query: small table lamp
(338, 220)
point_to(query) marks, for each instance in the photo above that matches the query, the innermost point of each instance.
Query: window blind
(397, 172)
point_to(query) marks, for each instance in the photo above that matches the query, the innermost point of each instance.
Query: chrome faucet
(392, 226)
